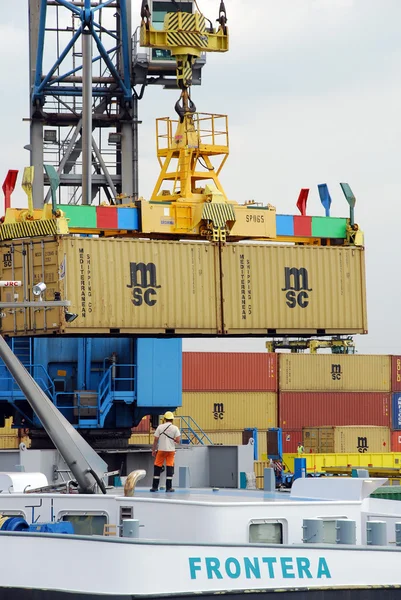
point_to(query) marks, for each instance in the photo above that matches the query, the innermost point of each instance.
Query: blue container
(396, 411)
(60, 527)
(299, 468)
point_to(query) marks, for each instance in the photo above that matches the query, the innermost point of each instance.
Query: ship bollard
(131, 528)
(376, 533)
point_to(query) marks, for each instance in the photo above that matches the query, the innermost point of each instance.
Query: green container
(388, 492)
(79, 216)
(329, 227)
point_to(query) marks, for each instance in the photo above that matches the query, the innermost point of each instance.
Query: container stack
(226, 393)
(335, 403)
(396, 404)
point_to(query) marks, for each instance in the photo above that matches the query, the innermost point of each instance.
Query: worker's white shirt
(166, 440)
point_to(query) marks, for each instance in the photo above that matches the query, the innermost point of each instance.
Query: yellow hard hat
(168, 415)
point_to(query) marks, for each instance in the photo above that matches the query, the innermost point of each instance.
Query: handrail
(192, 428)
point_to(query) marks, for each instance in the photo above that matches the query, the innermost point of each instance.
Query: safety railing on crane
(9, 387)
(211, 129)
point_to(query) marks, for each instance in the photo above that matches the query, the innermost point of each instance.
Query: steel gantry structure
(83, 107)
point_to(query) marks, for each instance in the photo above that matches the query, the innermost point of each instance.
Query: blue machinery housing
(97, 383)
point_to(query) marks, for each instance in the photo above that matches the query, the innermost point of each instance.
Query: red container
(143, 427)
(396, 441)
(229, 372)
(291, 439)
(396, 373)
(317, 409)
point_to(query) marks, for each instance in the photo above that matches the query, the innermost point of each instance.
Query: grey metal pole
(77, 453)
(127, 176)
(36, 129)
(135, 167)
(87, 118)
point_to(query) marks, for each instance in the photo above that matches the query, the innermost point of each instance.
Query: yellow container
(125, 285)
(318, 439)
(259, 469)
(225, 438)
(9, 442)
(230, 411)
(317, 462)
(7, 429)
(132, 286)
(333, 372)
(141, 438)
(362, 439)
(293, 289)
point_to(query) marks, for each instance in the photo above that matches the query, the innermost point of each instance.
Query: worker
(300, 449)
(166, 437)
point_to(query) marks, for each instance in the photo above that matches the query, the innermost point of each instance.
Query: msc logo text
(218, 411)
(296, 287)
(336, 372)
(143, 282)
(362, 444)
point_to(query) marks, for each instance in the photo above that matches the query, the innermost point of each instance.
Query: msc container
(333, 372)
(318, 439)
(317, 409)
(396, 411)
(235, 438)
(361, 439)
(229, 372)
(270, 289)
(225, 438)
(230, 411)
(396, 373)
(114, 286)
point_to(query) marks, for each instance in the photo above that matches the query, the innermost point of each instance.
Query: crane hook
(187, 106)
(145, 13)
(222, 17)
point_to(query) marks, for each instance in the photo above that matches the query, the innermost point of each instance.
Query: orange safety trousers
(164, 455)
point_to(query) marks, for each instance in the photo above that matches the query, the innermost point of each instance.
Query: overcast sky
(312, 89)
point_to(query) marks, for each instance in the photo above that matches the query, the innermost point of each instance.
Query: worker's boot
(169, 479)
(156, 478)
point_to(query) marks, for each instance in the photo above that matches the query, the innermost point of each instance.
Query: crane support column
(87, 118)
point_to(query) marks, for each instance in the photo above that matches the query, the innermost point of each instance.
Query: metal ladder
(191, 433)
(22, 348)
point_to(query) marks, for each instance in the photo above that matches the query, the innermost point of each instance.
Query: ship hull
(393, 593)
(42, 566)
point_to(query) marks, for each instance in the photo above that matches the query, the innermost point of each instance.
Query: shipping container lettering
(362, 444)
(143, 282)
(255, 218)
(336, 372)
(82, 285)
(297, 287)
(89, 281)
(218, 410)
(398, 368)
(7, 260)
(243, 295)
